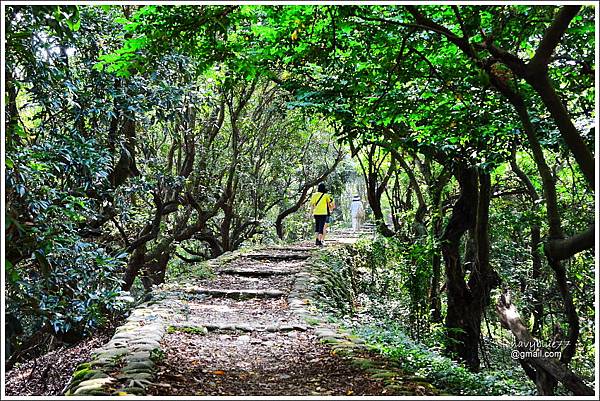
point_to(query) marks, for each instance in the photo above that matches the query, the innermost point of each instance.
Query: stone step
(293, 249)
(276, 257)
(251, 328)
(236, 294)
(256, 272)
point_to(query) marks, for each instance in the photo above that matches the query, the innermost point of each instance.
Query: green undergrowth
(366, 289)
(418, 360)
(179, 270)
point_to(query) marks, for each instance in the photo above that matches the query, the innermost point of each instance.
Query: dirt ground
(49, 374)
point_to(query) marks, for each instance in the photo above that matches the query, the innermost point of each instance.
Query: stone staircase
(207, 328)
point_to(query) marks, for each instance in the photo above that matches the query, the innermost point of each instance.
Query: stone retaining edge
(302, 301)
(126, 364)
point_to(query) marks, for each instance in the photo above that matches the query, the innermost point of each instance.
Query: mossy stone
(141, 365)
(385, 375)
(330, 340)
(132, 391)
(80, 374)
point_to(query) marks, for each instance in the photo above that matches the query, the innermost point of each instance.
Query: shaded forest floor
(48, 374)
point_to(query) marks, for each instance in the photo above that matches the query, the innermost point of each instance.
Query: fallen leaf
(217, 372)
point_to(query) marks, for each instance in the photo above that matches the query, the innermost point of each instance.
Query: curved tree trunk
(466, 301)
(463, 335)
(547, 370)
(293, 209)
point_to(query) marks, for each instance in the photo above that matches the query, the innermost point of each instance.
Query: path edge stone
(302, 300)
(126, 365)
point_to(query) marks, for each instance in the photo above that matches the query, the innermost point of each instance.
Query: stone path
(251, 330)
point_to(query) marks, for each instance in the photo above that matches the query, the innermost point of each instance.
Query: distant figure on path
(357, 212)
(321, 206)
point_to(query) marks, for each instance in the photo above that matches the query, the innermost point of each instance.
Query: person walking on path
(321, 206)
(357, 212)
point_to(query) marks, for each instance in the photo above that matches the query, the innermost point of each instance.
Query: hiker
(357, 212)
(321, 206)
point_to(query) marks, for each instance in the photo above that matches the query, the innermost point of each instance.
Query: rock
(95, 374)
(116, 343)
(239, 294)
(141, 365)
(142, 347)
(140, 376)
(330, 340)
(93, 384)
(138, 356)
(130, 390)
(149, 343)
(345, 344)
(94, 392)
(243, 339)
(245, 327)
(110, 353)
(356, 340)
(385, 375)
(128, 373)
(322, 332)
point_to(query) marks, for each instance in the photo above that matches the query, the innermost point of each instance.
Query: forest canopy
(141, 139)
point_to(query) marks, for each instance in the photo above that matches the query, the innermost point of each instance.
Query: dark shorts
(320, 223)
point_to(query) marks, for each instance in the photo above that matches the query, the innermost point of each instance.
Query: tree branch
(552, 38)
(564, 248)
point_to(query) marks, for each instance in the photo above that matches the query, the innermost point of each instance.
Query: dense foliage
(141, 138)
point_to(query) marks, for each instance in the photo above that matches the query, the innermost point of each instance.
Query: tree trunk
(134, 265)
(435, 192)
(154, 273)
(569, 133)
(375, 202)
(375, 189)
(536, 74)
(126, 166)
(556, 235)
(419, 225)
(550, 369)
(281, 217)
(466, 302)
(536, 274)
(461, 318)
